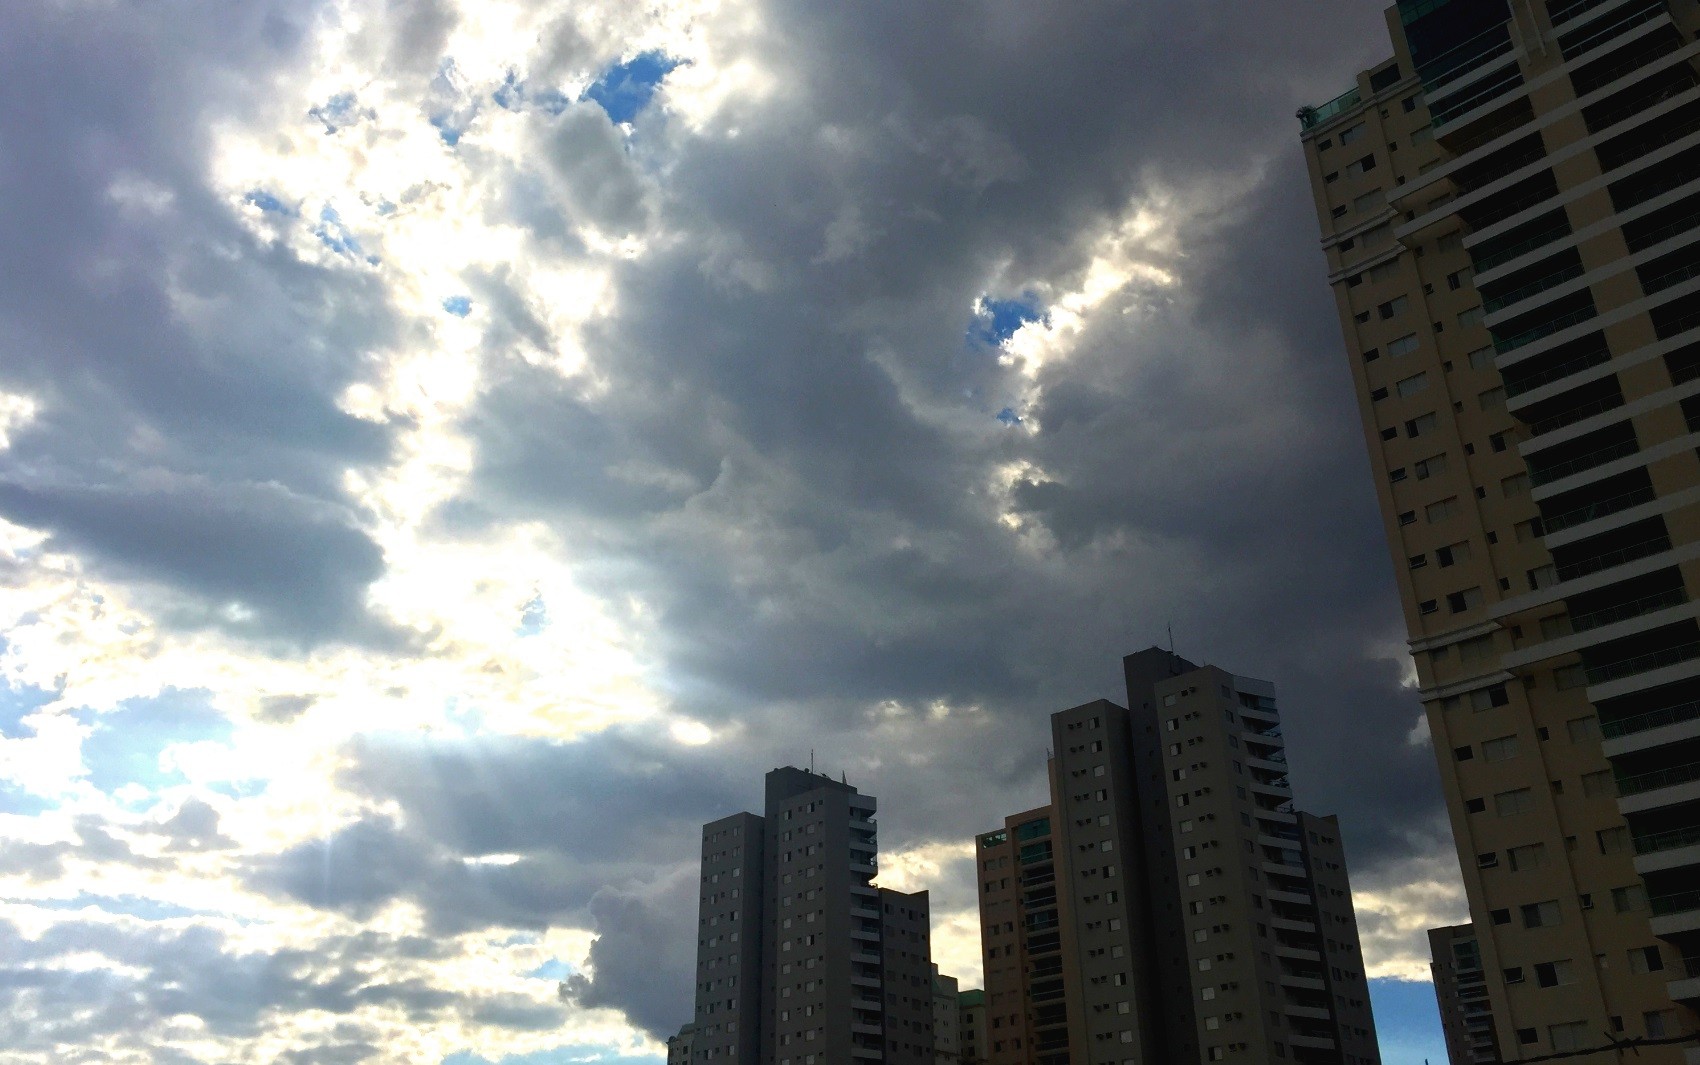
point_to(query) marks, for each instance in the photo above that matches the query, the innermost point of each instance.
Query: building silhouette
(801, 960)
(1170, 904)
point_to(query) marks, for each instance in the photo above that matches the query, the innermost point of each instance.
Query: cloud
(448, 454)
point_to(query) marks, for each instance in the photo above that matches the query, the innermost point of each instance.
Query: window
(1473, 316)
(1571, 1035)
(1493, 399)
(1393, 307)
(1361, 166)
(1659, 1023)
(1517, 801)
(1440, 511)
(1612, 840)
(1499, 749)
(1410, 386)
(1428, 606)
(1474, 650)
(1540, 914)
(1426, 423)
(1646, 960)
(1432, 466)
(1515, 485)
(1418, 561)
(1403, 346)
(1407, 517)
(1459, 278)
(1396, 474)
(1583, 728)
(1355, 133)
(1486, 698)
(1599, 783)
(1386, 270)
(1542, 577)
(1468, 599)
(1452, 554)
(1629, 899)
(1482, 358)
(1528, 856)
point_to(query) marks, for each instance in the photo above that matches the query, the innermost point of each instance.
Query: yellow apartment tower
(1510, 209)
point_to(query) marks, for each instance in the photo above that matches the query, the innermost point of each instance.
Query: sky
(450, 450)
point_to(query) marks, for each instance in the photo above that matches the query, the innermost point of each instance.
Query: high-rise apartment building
(1170, 904)
(1511, 219)
(800, 959)
(974, 1031)
(1460, 990)
(947, 1018)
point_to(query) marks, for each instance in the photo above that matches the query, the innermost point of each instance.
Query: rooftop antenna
(1171, 627)
(811, 759)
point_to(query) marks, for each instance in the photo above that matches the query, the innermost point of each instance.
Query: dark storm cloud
(186, 374)
(777, 453)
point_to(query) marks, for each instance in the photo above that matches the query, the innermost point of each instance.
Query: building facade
(1200, 917)
(1512, 227)
(1460, 990)
(974, 1031)
(800, 959)
(947, 1018)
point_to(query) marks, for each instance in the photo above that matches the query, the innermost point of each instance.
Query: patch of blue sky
(266, 202)
(337, 113)
(553, 969)
(459, 306)
(1009, 417)
(121, 906)
(20, 803)
(1407, 1021)
(567, 1054)
(514, 95)
(534, 618)
(626, 88)
(17, 704)
(446, 129)
(127, 745)
(995, 320)
(334, 235)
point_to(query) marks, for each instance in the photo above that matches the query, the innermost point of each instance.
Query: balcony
(1561, 14)
(1579, 413)
(1675, 839)
(1625, 611)
(1541, 475)
(1678, 903)
(1311, 117)
(1670, 278)
(1591, 37)
(1646, 663)
(1534, 288)
(1519, 384)
(1686, 986)
(1669, 715)
(1612, 559)
(1492, 255)
(1675, 776)
(1581, 515)
(1544, 330)
(1464, 58)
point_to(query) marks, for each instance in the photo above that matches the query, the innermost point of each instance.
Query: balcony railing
(1607, 119)
(1670, 278)
(1569, 11)
(1678, 902)
(1622, 157)
(1665, 232)
(1484, 47)
(1311, 117)
(1667, 841)
(1556, 373)
(1545, 329)
(1496, 86)
(1533, 288)
(1587, 42)
(1652, 719)
(1610, 559)
(1603, 508)
(1575, 414)
(1625, 611)
(1560, 470)
(1505, 255)
(1641, 783)
(1629, 667)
